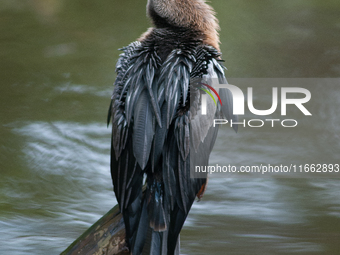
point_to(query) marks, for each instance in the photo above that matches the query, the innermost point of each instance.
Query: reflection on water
(57, 62)
(66, 186)
(265, 216)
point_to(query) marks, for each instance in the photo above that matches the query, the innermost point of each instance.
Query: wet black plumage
(156, 119)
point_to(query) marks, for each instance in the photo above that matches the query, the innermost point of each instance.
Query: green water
(57, 61)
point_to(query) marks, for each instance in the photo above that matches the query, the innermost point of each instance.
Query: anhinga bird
(156, 118)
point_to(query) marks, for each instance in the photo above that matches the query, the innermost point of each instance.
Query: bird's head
(190, 14)
(181, 13)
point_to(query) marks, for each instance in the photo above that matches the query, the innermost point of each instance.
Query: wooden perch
(105, 237)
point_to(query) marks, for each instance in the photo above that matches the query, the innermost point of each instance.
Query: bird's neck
(194, 15)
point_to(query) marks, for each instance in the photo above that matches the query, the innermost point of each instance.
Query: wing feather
(143, 129)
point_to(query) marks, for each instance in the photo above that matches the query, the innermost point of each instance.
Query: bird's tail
(153, 227)
(157, 243)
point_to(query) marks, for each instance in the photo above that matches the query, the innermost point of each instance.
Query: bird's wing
(190, 140)
(134, 114)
